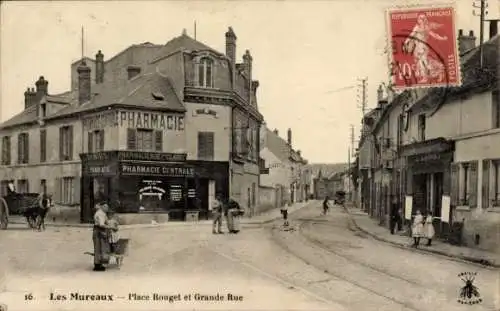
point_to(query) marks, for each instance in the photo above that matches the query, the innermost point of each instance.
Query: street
(323, 264)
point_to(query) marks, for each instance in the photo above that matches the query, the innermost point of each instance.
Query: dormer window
(205, 72)
(43, 112)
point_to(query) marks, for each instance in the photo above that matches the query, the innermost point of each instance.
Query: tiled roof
(26, 116)
(152, 90)
(182, 42)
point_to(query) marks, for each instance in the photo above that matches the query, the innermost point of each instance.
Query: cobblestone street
(323, 264)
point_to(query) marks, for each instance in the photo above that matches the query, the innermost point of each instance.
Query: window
(96, 141)
(144, 140)
(205, 70)
(421, 127)
(23, 148)
(66, 143)
(22, 186)
(465, 180)
(67, 191)
(253, 194)
(43, 146)
(44, 110)
(43, 185)
(4, 184)
(468, 185)
(400, 131)
(496, 183)
(206, 146)
(6, 151)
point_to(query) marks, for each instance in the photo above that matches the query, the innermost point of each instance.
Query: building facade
(441, 142)
(157, 129)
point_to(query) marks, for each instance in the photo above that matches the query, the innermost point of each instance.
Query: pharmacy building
(156, 131)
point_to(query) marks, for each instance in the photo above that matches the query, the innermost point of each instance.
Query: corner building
(157, 129)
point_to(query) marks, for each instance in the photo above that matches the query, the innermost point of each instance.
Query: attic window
(158, 96)
(44, 110)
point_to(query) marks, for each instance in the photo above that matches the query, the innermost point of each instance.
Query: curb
(483, 262)
(244, 224)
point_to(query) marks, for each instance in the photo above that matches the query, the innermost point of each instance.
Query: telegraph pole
(363, 102)
(482, 14)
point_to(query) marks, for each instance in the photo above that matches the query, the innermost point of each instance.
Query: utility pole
(482, 14)
(352, 139)
(363, 102)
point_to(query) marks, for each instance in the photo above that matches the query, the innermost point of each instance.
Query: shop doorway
(419, 193)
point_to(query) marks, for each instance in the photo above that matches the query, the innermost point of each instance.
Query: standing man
(218, 209)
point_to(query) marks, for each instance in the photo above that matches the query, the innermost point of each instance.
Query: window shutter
(4, 150)
(26, 148)
(90, 143)
(485, 185)
(201, 74)
(473, 184)
(57, 190)
(76, 190)
(454, 176)
(201, 145)
(159, 141)
(43, 146)
(101, 141)
(8, 151)
(70, 143)
(209, 145)
(131, 139)
(61, 144)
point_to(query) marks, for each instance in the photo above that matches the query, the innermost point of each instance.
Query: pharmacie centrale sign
(132, 169)
(135, 119)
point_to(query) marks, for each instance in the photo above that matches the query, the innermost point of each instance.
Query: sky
(308, 56)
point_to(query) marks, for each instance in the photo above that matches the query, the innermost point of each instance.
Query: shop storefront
(150, 182)
(428, 175)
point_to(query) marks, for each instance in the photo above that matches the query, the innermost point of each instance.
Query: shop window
(6, 151)
(23, 148)
(96, 141)
(22, 186)
(206, 146)
(205, 72)
(43, 146)
(66, 143)
(421, 127)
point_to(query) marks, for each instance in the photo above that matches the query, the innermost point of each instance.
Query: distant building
(157, 129)
(328, 179)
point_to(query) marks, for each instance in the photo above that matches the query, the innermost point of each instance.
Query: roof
(327, 169)
(277, 145)
(182, 42)
(151, 90)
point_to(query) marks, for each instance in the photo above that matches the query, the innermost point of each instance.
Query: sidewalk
(369, 226)
(257, 220)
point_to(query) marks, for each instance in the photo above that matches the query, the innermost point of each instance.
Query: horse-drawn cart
(14, 203)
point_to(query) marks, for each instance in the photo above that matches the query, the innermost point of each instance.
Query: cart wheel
(4, 214)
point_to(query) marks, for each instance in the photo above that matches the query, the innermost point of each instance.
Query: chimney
(99, 67)
(276, 132)
(29, 97)
(42, 86)
(247, 63)
(298, 152)
(466, 43)
(231, 45)
(493, 28)
(380, 94)
(289, 136)
(83, 82)
(133, 71)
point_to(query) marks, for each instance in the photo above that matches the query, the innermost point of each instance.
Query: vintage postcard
(250, 155)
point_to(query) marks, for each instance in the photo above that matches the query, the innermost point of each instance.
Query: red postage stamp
(424, 49)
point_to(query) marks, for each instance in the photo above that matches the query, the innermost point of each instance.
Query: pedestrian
(100, 237)
(400, 219)
(284, 212)
(393, 221)
(233, 216)
(326, 206)
(429, 228)
(217, 216)
(417, 228)
(113, 235)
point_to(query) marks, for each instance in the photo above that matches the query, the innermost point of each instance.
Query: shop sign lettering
(135, 119)
(427, 157)
(151, 156)
(99, 169)
(156, 170)
(152, 120)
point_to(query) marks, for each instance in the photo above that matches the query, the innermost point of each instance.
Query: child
(113, 231)
(284, 212)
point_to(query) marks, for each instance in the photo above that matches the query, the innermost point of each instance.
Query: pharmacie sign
(135, 119)
(156, 170)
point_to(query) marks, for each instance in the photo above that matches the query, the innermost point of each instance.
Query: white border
(420, 7)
